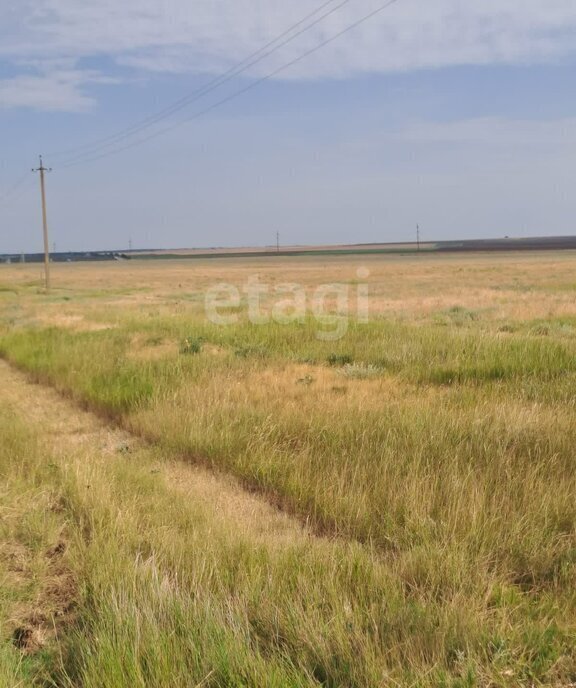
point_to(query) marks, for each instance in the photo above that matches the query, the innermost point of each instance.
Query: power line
(18, 184)
(82, 159)
(238, 69)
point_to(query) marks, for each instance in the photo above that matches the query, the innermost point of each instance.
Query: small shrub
(340, 359)
(360, 371)
(540, 330)
(191, 345)
(459, 315)
(507, 328)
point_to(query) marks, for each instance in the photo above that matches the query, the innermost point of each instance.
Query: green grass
(171, 594)
(340, 463)
(440, 452)
(419, 353)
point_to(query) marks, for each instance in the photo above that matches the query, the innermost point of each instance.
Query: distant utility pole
(130, 244)
(277, 242)
(42, 170)
(418, 237)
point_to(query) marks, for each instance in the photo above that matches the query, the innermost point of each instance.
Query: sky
(457, 116)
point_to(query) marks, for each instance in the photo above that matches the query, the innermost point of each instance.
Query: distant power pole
(130, 244)
(42, 170)
(278, 242)
(418, 237)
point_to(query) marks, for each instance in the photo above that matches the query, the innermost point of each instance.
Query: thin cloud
(51, 92)
(178, 36)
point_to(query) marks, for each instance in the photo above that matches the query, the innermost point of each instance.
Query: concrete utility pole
(43, 169)
(277, 242)
(418, 237)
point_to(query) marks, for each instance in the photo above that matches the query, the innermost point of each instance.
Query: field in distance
(290, 471)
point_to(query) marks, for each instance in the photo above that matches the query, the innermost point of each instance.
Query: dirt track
(67, 429)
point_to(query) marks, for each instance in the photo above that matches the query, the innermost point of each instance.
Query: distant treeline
(68, 257)
(472, 245)
(507, 244)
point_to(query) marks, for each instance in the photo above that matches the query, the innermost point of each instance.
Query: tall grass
(447, 472)
(173, 592)
(29, 529)
(338, 458)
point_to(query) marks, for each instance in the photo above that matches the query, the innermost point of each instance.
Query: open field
(336, 251)
(189, 503)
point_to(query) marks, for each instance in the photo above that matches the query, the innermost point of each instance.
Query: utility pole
(418, 237)
(277, 242)
(42, 170)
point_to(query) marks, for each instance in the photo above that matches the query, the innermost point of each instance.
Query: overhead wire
(238, 69)
(11, 191)
(79, 160)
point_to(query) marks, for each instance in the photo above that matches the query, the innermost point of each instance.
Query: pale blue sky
(460, 118)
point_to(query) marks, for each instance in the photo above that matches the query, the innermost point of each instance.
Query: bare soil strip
(66, 428)
(36, 623)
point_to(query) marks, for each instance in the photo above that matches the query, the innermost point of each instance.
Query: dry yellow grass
(506, 286)
(435, 443)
